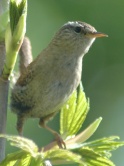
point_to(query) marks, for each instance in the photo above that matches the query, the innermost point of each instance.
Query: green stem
(14, 35)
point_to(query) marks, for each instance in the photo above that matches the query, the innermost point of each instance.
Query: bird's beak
(96, 34)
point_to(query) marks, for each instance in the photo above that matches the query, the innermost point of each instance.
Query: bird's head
(76, 36)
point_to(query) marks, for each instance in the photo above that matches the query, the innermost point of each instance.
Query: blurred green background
(103, 66)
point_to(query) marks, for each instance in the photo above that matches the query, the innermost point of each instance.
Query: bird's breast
(65, 80)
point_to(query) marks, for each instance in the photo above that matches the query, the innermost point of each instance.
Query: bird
(48, 81)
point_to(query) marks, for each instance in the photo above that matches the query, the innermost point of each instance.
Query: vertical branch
(13, 35)
(3, 102)
(4, 10)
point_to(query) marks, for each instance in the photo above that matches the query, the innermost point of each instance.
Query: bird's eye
(77, 29)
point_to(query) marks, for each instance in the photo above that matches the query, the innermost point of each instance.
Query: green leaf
(17, 157)
(29, 154)
(60, 156)
(97, 152)
(73, 113)
(36, 161)
(92, 158)
(22, 158)
(94, 153)
(14, 35)
(16, 11)
(24, 161)
(22, 143)
(105, 145)
(84, 135)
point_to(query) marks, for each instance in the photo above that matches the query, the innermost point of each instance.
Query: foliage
(14, 34)
(73, 113)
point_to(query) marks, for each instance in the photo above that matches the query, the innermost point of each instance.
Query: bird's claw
(60, 141)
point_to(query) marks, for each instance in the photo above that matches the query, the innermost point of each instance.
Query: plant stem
(4, 86)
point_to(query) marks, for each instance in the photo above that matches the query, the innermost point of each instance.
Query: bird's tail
(25, 58)
(25, 55)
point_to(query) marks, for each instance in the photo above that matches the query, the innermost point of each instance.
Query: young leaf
(61, 156)
(103, 146)
(37, 161)
(16, 11)
(91, 158)
(73, 113)
(13, 158)
(14, 35)
(22, 143)
(84, 135)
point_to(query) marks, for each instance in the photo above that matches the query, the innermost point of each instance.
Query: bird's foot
(59, 141)
(58, 138)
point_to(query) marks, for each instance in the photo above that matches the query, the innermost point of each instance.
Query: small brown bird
(51, 78)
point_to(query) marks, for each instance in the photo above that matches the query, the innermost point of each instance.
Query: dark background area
(103, 66)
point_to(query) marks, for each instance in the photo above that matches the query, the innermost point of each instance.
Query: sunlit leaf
(62, 156)
(24, 161)
(13, 158)
(92, 158)
(36, 161)
(16, 11)
(14, 35)
(73, 113)
(22, 143)
(83, 136)
(105, 145)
